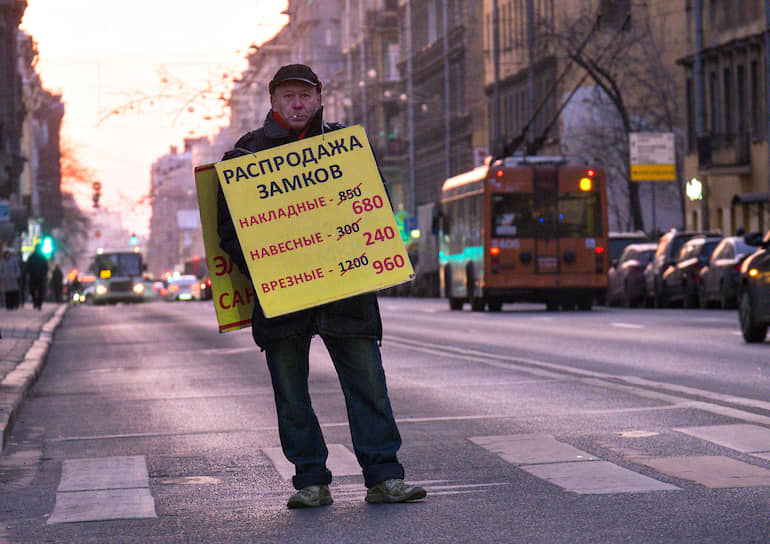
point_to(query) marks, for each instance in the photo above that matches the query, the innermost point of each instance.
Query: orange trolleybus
(524, 229)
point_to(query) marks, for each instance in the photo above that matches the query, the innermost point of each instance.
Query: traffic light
(47, 246)
(133, 240)
(97, 187)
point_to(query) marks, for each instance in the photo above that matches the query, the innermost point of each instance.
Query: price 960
(388, 264)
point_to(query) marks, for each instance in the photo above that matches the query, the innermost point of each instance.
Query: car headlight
(138, 288)
(753, 272)
(101, 289)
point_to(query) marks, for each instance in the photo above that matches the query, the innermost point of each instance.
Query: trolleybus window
(580, 215)
(119, 264)
(512, 215)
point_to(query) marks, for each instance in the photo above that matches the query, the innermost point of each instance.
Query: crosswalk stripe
(566, 466)
(341, 461)
(103, 488)
(742, 437)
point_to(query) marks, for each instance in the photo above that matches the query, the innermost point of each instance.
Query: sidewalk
(26, 338)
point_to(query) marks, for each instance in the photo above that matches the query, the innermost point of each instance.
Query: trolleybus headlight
(101, 289)
(138, 288)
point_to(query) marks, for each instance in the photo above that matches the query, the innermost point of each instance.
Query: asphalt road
(615, 425)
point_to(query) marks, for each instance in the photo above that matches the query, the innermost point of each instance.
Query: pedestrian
(57, 282)
(10, 279)
(351, 330)
(37, 276)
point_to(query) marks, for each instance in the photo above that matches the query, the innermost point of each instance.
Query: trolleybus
(524, 229)
(118, 277)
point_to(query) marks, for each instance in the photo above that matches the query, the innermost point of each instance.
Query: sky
(138, 77)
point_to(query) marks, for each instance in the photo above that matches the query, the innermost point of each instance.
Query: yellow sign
(653, 172)
(314, 221)
(231, 291)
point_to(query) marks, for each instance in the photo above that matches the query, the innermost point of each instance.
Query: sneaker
(394, 490)
(310, 496)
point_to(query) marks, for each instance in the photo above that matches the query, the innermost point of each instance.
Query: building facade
(727, 117)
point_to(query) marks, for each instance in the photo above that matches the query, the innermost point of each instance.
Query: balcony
(727, 153)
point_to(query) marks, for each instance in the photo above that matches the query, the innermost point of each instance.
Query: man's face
(296, 103)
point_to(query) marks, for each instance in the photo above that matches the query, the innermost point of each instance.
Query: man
(351, 330)
(37, 272)
(57, 282)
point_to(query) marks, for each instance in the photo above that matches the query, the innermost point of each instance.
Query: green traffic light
(48, 246)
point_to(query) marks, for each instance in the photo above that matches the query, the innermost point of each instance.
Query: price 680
(388, 264)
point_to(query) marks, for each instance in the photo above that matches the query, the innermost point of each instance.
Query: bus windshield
(119, 264)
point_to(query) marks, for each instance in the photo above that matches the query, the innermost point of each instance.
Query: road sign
(652, 156)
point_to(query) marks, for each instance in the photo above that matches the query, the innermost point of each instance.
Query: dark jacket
(355, 316)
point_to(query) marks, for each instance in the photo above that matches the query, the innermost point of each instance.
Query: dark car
(666, 253)
(719, 278)
(680, 281)
(626, 275)
(754, 290)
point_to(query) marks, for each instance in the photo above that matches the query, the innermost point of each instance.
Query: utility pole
(699, 109)
(496, 143)
(362, 37)
(531, 70)
(411, 204)
(447, 106)
(767, 86)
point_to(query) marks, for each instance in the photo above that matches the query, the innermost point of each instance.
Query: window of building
(690, 115)
(713, 103)
(727, 92)
(754, 85)
(740, 98)
(613, 14)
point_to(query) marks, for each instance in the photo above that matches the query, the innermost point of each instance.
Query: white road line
(627, 325)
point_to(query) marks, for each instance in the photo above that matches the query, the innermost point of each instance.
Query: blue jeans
(372, 425)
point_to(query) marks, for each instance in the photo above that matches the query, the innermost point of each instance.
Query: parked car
(680, 281)
(719, 278)
(620, 240)
(754, 290)
(185, 287)
(626, 275)
(668, 248)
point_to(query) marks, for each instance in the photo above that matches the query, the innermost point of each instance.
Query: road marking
(341, 461)
(596, 478)
(712, 471)
(627, 325)
(527, 449)
(666, 392)
(741, 437)
(566, 466)
(103, 488)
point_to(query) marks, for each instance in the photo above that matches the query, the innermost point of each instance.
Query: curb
(20, 380)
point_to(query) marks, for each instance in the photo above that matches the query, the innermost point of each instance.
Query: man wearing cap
(351, 329)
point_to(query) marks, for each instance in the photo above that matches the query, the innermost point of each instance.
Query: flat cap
(295, 72)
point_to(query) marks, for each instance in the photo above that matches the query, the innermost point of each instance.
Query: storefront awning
(751, 198)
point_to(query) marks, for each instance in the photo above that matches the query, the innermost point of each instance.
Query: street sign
(652, 156)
